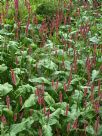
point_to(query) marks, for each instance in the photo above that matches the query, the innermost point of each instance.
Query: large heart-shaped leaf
(5, 89)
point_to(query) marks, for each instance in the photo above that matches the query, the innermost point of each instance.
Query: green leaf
(47, 63)
(13, 46)
(16, 128)
(78, 95)
(25, 89)
(3, 68)
(52, 121)
(61, 105)
(94, 40)
(94, 74)
(90, 130)
(5, 89)
(27, 41)
(49, 44)
(8, 112)
(68, 65)
(75, 112)
(47, 130)
(1, 38)
(58, 73)
(30, 101)
(5, 32)
(56, 113)
(76, 79)
(39, 80)
(50, 101)
(35, 115)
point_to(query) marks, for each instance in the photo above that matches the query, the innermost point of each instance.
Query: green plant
(46, 9)
(50, 70)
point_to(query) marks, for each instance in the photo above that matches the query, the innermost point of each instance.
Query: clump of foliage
(46, 9)
(51, 71)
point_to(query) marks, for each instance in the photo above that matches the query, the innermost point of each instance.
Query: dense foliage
(50, 68)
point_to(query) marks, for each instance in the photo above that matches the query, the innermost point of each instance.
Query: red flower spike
(27, 26)
(8, 101)
(65, 87)
(3, 119)
(44, 110)
(92, 97)
(60, 97)
(15, 117)
(97, 125)
(96, 106)
(20, 100)
(67, 109)
(56, 85)
(42, 100)
(48, 113)
(7, 7)
(84, 103)
(52, 83)
(0, 19)
(13, 76)
(92, 87)
(35, 21)
(85, 92)
(39, 100)
(75, 124)
(99, 88)
(16, 3)
(27, 4)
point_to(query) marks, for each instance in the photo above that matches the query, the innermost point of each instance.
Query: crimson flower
(15, 117)
(13, 76)
(3, 119)
(8, 101)
(60, 96)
